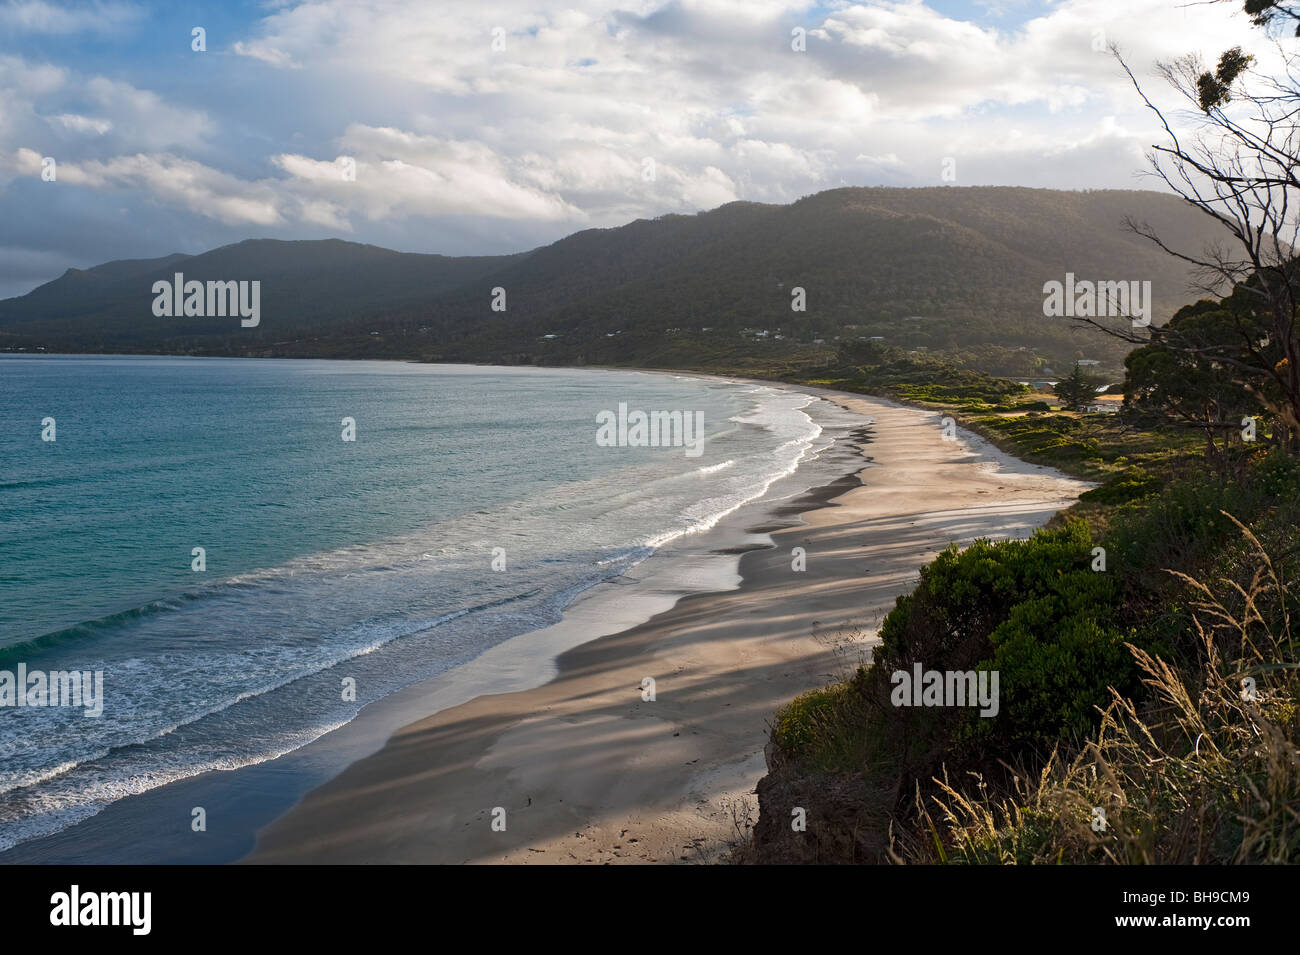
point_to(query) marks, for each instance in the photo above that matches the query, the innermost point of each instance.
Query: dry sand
(589, 772)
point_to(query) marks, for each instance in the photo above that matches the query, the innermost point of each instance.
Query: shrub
(1129, 486)
(1031, 609)
(1205, 773)
(1058, 656)
(1188, 522)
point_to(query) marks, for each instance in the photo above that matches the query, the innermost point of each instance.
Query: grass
(1205, 770)
(829, 728)
(1183, 767)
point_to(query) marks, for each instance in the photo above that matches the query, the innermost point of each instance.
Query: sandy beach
(587, 770)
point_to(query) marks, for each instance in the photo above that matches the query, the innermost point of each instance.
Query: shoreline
(586, 770)
(248, 797)
(273, 797)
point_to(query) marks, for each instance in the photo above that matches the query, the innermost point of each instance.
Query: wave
(618, 503)
(81, 804)
(44, 774)
(797, 447)
(91, 628)
(39, 482)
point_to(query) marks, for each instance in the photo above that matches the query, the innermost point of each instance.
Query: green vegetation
(1120, 689)
(1077, 389)
(1187, 387)
(1125, 449)
(1148, 671)
(1205, 770)
(1031, 609)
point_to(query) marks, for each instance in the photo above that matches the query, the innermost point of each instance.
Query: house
(1104, 404)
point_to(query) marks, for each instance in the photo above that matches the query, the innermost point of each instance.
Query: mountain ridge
(939, 268)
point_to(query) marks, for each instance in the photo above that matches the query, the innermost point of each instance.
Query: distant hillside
(958, 270)
(306, 286)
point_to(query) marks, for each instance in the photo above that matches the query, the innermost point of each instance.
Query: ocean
(472, 505)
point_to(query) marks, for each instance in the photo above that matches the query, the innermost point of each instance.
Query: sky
(490, 126)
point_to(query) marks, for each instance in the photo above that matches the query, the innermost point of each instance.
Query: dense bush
(1033, 610)
(1201, 773)
(1186, 524)
(1128, 486)
(1058, 655)
(1087, 663)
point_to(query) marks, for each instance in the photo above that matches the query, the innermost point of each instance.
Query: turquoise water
(325, 559)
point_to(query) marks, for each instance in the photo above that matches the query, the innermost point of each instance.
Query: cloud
(391, 174)
(265, 53)
(462, 144)
(65, 112)
(171, 179)
(144, 119)
(83, 124)
(39, 16)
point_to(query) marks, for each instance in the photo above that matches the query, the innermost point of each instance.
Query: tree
(1242, 168)
(1188, 387)
(1077, 389)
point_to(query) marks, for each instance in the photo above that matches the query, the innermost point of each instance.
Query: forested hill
(951, 269)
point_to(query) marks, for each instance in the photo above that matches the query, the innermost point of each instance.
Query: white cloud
(170, 179)
(83, 124)
(584, 94)
(40, 16)
(552, 133)
(144, 119)
(66, 113)
(265, 53)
